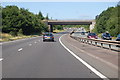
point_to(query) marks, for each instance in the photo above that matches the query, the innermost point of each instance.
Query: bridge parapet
(69, 22)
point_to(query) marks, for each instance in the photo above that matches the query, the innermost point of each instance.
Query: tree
(108, 20)
(20, 21)
(47, 17)
(40, 16)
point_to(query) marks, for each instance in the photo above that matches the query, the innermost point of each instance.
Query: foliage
(20, 21)
(20, 32)
(77, 26)
(47, 18)
(40, 16)
(108, 21)
(58, 27)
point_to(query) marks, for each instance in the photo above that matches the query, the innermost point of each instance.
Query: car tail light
(96, 37)
(90, 36)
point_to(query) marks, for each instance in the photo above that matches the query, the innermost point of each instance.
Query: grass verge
(56, 31)
(7, 37)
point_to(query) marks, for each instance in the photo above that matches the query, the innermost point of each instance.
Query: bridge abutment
(92, 26)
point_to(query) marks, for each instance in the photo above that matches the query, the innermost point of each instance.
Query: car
(106, 36)
(118, 37)
(92, 36)
(48, 36)
(82, 33)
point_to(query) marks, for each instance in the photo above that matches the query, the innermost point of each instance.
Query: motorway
(33, 58)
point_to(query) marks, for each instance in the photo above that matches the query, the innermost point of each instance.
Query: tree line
(108, 20)
(21, 21)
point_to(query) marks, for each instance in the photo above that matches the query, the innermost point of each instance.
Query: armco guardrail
(112, 45)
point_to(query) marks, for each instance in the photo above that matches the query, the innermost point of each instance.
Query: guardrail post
(87, 41)
(95, 43)
(91, 42)
(82, 40)
(79, 39)
(101, 45)
(110, 46)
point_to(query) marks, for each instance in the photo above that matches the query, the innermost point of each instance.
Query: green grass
(7, 37)
(114, 37)
(58, 31)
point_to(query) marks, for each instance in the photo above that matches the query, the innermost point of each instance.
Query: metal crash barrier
(111, 45)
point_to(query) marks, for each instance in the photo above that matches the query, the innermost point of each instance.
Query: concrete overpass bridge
(50, 23)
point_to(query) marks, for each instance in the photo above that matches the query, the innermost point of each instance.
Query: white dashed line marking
(1, 59)
(35, 42)
(20, 49)
(39, 40)
(30, 44)
(0, 43)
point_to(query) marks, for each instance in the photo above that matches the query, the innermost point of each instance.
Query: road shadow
(50, 41)
(62, 33)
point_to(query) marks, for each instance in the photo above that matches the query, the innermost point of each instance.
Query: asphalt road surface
(33, 58)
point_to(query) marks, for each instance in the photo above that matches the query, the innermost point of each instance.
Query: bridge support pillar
(51, 28)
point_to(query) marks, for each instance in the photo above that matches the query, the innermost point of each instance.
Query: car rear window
(92, 34)
(106, 34)
(48, 35)
(118, 35)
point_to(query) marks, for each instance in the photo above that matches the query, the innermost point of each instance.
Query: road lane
(11, 48)
(105, 61)
(84, 62)
(44, 60)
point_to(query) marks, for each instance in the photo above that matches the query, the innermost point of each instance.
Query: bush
(20, 32)
(13, 33)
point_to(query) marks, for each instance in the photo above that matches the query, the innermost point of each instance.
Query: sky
(65, 10)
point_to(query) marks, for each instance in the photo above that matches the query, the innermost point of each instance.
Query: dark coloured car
(82, 33)
(92, 36)
(48, 36)
(106, 36)
(118, 37)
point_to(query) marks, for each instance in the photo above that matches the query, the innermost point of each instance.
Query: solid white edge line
(85, 63)
(1, 59)
(20, 49)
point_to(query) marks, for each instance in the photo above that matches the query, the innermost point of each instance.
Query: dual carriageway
(63, 58)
